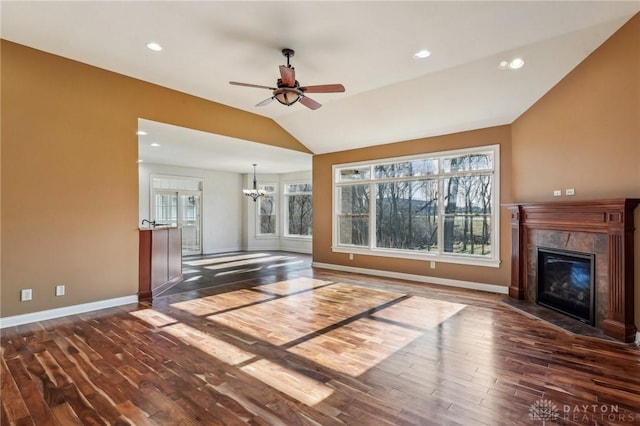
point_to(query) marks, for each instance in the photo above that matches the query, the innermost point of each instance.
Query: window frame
(285, 197)
(493, 260)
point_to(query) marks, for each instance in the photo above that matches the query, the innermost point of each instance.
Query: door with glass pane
(181, 209)
(189, 220)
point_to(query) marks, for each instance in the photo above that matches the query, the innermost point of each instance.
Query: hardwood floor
(314, 347)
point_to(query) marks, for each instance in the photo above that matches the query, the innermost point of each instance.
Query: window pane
(406, 215)
(358, 173)
(167, 209)
(468, 194)
(268, 187)
(297, 187)
(353, 220)
(299, 214)
(267, 214)
(467, 234)
(407, 168)
(480, 161)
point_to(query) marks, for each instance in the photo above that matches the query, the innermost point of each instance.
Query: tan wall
(70, 178)
(585, 133)
(322, 205)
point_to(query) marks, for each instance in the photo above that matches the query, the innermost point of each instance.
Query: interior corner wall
(323, 205)
(70, 173)
(585, 133)
(279, 241)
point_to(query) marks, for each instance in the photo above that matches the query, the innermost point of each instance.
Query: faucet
(152, 223)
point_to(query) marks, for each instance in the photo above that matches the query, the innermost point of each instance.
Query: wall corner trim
(490, 288)
(67, 310)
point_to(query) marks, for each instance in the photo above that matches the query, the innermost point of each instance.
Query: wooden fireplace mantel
(613, 217)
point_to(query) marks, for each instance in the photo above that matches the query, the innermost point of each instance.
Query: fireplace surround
(603, 228)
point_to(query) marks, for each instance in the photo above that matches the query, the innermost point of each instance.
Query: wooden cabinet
(160, 261)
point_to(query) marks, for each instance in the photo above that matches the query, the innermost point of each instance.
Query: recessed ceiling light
(424, 53)
(141, 133)
(516, 63)
(155, 144)
(154, 46)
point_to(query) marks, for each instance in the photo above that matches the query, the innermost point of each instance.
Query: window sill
(426, 257)
(298, 238)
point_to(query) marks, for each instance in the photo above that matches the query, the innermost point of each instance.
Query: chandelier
(254, 192)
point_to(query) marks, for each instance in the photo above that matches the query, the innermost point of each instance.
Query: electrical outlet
(26, 294)
(350, 256)
(432, 265)
(570, 191)
(557, 193)
(60, 290)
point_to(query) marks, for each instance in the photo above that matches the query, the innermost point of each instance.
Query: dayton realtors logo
(545, 410)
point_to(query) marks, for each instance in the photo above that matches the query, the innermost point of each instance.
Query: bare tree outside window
(267, 210)
(299, 214)
(353, 219)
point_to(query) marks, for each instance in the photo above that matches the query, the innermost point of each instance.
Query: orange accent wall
(322, 206)
(585, 133)
(70, 177)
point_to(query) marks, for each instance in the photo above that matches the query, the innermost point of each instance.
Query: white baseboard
(67, 310)
(491, 288)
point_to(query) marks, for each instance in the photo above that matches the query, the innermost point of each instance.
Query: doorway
(178, 202)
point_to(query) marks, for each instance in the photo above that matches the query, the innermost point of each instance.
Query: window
(267, 210)
(436, 205)
(298, 209)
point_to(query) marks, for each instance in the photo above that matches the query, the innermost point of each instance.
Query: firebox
(566, 282)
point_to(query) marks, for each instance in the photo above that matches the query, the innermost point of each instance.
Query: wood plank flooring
(314, 347)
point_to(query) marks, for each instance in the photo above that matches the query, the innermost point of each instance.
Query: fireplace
(603, 227)
(566, 282)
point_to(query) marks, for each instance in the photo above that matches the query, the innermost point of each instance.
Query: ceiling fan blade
(288, 76)
(266, 101)
(235, 83)
(323, 88)
(309, 103)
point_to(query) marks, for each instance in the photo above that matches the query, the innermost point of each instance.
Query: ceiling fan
(288, 90)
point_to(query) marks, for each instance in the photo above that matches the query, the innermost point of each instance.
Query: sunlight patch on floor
(154, 318)
(208, 344)
(363, 344)
(223, 259)
(280, 265)
(237, 271)
(289, 318)
(420, 312)
(294, 285)
(247, 262)
(290, 382)
(220, 302)
(356, 347)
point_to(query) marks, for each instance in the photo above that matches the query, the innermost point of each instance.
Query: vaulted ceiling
(367, 46)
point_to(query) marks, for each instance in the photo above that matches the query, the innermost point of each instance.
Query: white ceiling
(365, 45)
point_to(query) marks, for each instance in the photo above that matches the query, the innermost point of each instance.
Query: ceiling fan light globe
(286, 97)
